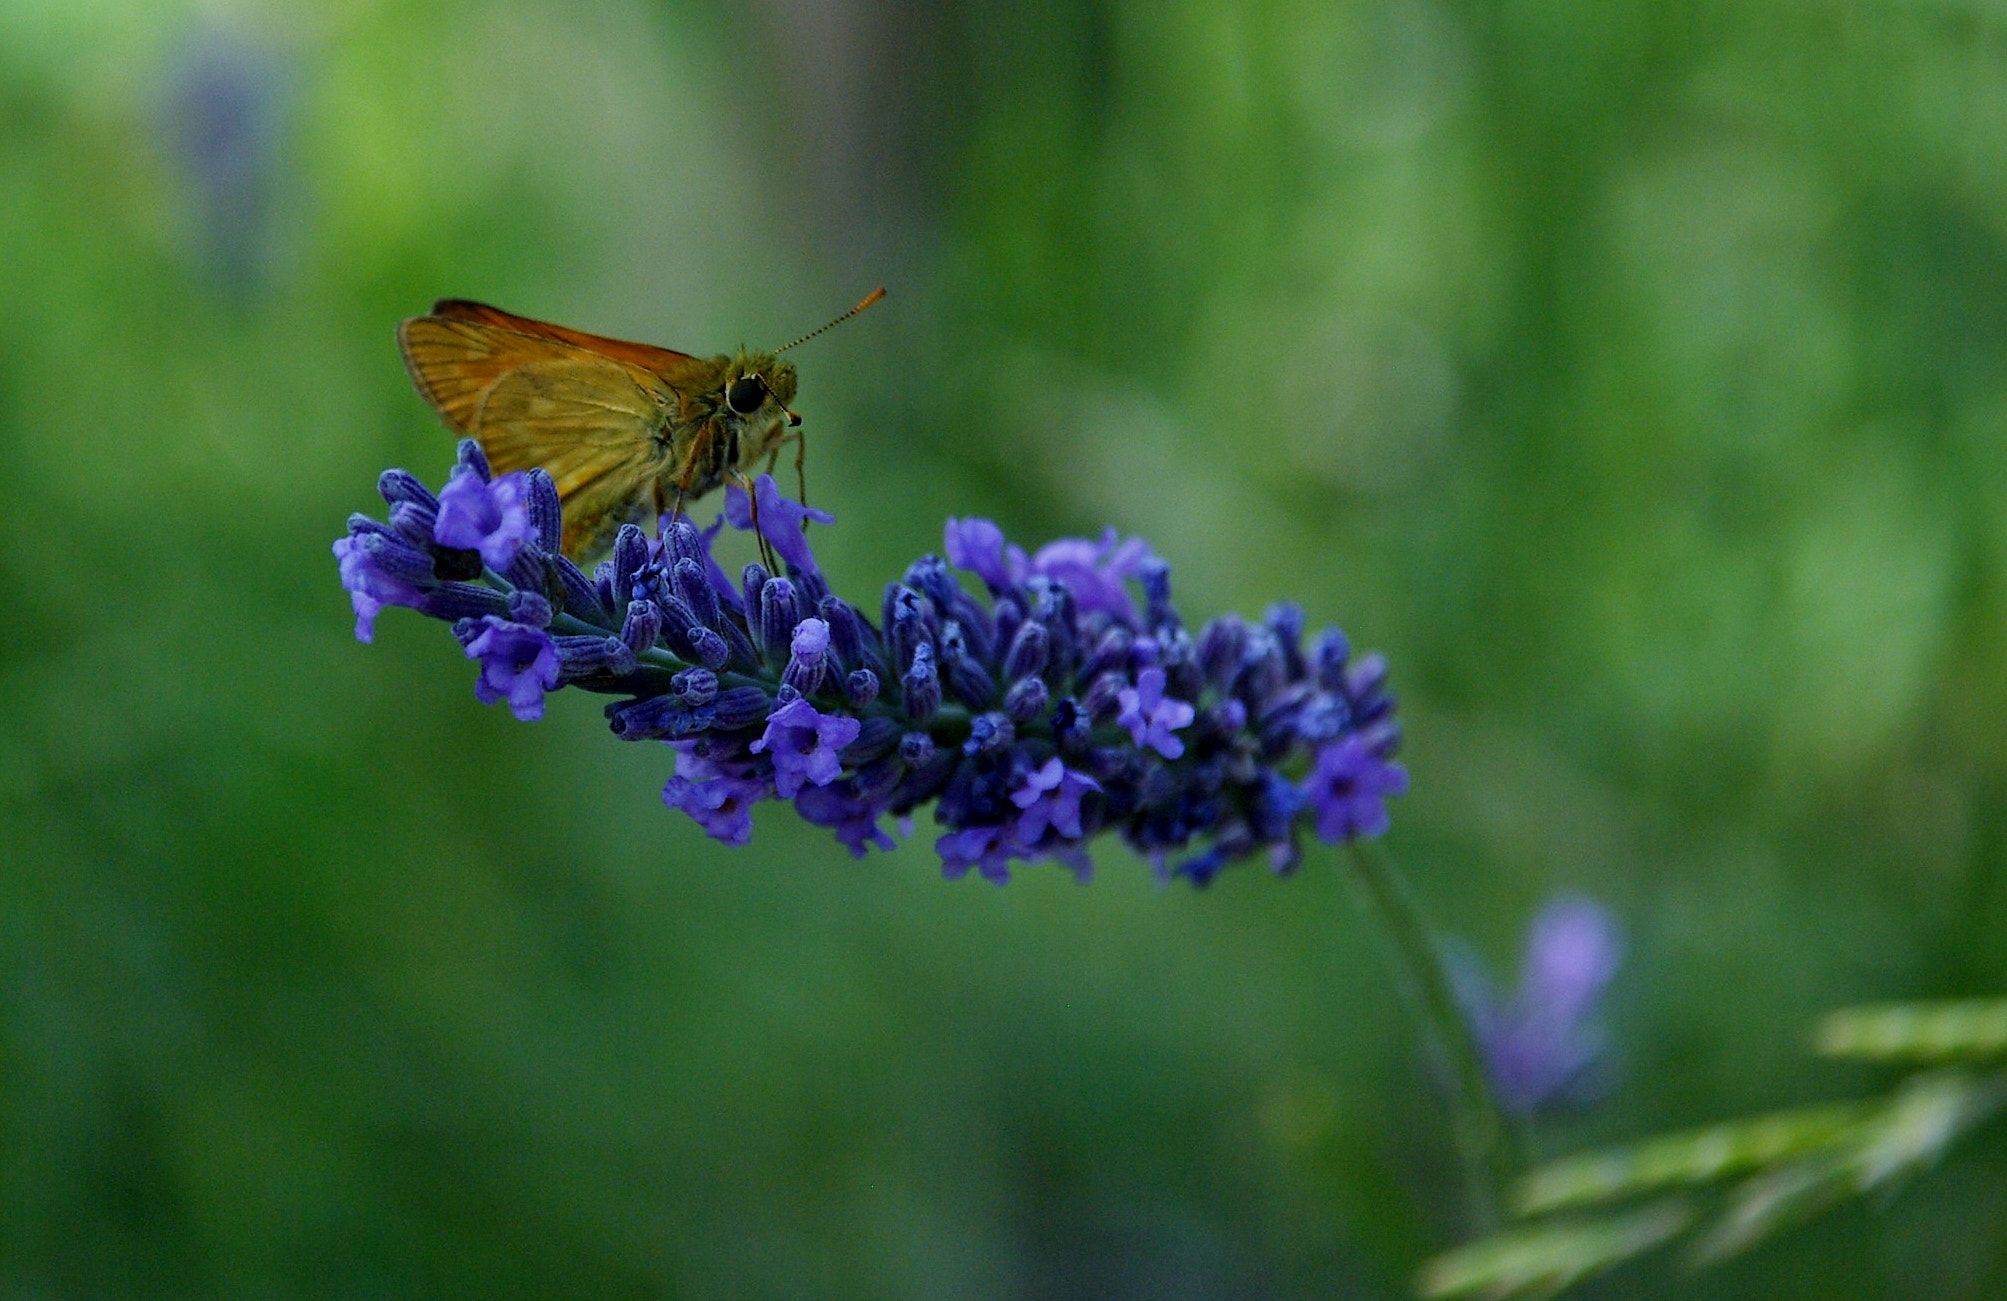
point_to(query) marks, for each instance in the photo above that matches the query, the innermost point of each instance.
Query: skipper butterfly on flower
(627, 430)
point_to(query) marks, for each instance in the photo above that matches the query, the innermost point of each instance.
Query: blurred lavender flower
(1060, 708)
(1541, 1043)
(224, 114)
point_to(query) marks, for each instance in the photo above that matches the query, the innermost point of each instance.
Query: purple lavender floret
(1348, 788)
(1153, 720)
(488, 516)
(370, 586)
(803, 744)
(718, 800)
(518, 664)
(1058, 697)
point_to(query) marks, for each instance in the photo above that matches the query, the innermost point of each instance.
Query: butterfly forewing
(671, 365)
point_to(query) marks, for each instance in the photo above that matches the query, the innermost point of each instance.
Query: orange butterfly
(625, 429)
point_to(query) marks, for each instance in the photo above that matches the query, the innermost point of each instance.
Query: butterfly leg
(698, 446)
(801, 474)
(767, 556)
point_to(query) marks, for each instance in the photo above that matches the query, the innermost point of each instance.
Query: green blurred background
(1632, 373)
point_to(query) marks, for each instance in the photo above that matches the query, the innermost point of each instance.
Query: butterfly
(625, 429)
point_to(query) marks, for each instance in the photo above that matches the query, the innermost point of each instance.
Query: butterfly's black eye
(746, 395)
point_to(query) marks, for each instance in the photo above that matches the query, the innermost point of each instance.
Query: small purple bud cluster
(1059, 708)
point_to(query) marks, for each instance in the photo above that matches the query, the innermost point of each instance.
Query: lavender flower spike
(1542, 1043)
(1064, 701)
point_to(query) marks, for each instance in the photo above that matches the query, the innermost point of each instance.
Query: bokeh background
(1631, 373)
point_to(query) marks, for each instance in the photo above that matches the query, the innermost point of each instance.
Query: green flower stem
(1486, 1143)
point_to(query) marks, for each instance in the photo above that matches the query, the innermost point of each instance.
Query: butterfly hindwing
(601, 432)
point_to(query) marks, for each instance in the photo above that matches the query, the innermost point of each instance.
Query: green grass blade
(1542, 1260)
(1970, 1029)
(1695, 1157)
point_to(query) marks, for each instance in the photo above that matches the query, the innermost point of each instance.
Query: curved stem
(1486, 1144)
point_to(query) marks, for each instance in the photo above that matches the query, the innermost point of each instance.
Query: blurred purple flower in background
(223, 115)
(1541, 1043)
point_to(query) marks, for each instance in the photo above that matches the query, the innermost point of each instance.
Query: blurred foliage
(1633, 374)
(1787, 1166)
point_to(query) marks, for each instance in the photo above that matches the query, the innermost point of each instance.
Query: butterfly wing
(666, 362)
(454, 363)
(602, 431)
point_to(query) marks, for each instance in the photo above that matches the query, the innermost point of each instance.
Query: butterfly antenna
(869, 299)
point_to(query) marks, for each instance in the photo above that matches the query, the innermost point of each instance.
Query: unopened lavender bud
(1007, 613)
(741, 707)
(529, 607)
(1365, 687)
(630, 553)
(978, 629)
(779, 613)
(1261, 668)
(1158, 612)
(752, 580)
(711, 650)
(930, 577)
(1104, 697)
(468, 456)
(682, 541)
(658, 716)
(642, 626)
(1027, 655)
(414, 522)
(581, 599)
(453, 601)
(1179, 657)
(696, 686)
(545, 512)
(1285, 620)
(807, 655)
(1330, 656)
(860, 688)
(526, 572)
(922, 685)
(878, 737)
(602, 582)
(679, 625)
(397, 558)
(1026, 699)
(401, 486)
(1383, 739)
(739, 645)
(969, 681)
(580, 657)
(916, 749)
(846, 637)
(1111, 652)
(693, 584)
(906, 621)
(1219, 649)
